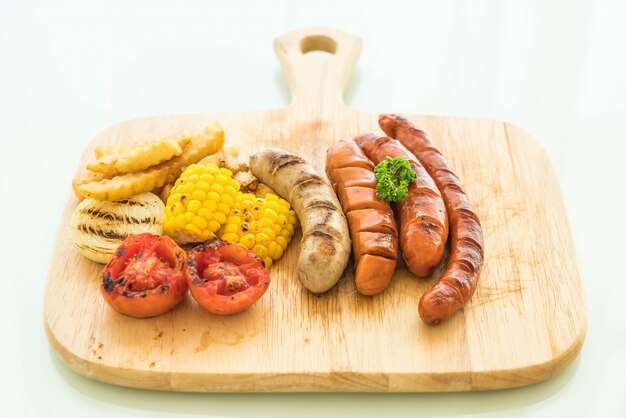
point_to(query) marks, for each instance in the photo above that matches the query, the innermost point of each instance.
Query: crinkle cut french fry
(138, 158)
(127, 185)
(123, 149)
(87, 177)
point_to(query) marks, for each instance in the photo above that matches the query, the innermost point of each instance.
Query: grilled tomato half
(145, 277)
(225, 278)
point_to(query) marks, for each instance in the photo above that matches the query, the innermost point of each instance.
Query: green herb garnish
(393, 177)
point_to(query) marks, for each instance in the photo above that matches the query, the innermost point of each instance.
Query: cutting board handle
(317, 80)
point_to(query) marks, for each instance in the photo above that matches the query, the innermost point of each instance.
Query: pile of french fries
(119, 172)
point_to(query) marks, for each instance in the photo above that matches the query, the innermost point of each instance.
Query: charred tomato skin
(145, 278)
(225, 278)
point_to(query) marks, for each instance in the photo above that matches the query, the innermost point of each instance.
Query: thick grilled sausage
(371, 221)
(325, 245)
(458, 282)
(423, 219)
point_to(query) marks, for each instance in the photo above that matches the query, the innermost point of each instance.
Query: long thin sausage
(423, 219)
(371, 222)
(458, 282)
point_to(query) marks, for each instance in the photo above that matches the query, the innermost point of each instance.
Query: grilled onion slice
(98, 227)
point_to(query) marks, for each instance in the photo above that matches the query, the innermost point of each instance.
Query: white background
(68, 69)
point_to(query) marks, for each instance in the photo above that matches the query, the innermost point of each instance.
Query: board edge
(326, 381)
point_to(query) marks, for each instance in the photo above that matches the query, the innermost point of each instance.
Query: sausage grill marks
(371, 221)
(423, 219)
(458, 282)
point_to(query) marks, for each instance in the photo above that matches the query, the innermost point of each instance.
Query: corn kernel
(225, 172)
(282, 241)
(247, 240)
(206, 178)
(210, 205)
(266, 223)
(205, 213)
(177, 209)
(229, 189)
(221, 179)
(214, 226)
(247, 215)
(224, 208)
(189, 216)
(194, 206)
(271, 235)
(217, 188)
(213, 196)
(203, 186)
(199, 195)
(261, 239)
(275, 251)
(273, 206)
(173, 198)
(260, 250)
(219, 217)
(200, 222)
(206, 234)
(180, 221)
(194, 230)
(189, 188)
(255, 227)
(268, 262)
(270, 213)
(233, 219)
(228, 200)
(230, 228)
(234, 238)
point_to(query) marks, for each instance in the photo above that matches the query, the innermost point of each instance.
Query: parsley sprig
(393, 177)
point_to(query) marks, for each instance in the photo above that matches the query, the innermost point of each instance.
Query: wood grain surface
(525, 323)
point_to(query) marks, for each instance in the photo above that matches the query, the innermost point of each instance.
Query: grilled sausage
(371, 221)
(423, 219)
(325, 245)
(458, 282)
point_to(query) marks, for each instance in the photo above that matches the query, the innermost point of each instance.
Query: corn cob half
(263, 225)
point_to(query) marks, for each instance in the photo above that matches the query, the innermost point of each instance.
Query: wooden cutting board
(525, 323)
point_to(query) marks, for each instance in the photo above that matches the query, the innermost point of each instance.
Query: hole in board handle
(318, 46)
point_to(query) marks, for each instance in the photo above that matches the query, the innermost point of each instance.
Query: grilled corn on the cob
(199, 203)
(263, 225)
